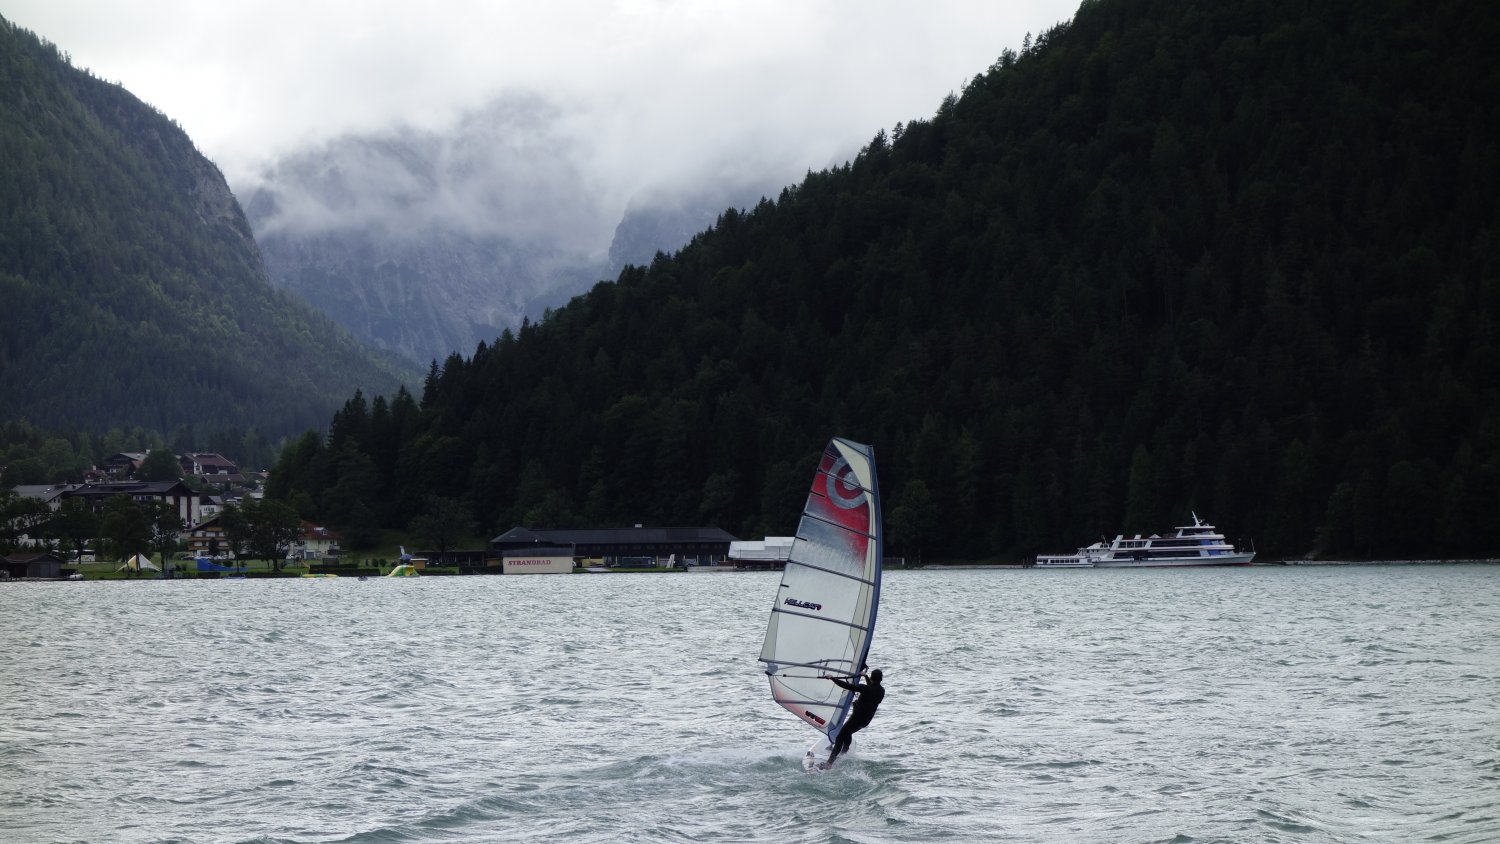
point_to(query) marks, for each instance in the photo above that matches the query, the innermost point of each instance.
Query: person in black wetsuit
(869, 697)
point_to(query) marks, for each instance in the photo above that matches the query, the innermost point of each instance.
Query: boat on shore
(1197, 544)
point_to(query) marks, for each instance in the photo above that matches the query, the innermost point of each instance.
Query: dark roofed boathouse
(18, 566)
(703, 545)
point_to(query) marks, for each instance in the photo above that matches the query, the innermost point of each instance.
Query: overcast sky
(660, 84)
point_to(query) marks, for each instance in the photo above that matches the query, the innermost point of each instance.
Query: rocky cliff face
(425, 295)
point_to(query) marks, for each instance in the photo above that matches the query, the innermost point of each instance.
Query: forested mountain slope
(1238, 257)
(133, 292)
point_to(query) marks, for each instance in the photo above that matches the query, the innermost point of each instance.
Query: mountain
(666, 222)
(1238, 258)
(427, 242)
(134, 291)
(422, 296)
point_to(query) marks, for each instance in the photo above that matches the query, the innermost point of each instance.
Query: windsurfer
(869, 697)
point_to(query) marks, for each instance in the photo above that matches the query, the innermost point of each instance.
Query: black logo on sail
(806, 605)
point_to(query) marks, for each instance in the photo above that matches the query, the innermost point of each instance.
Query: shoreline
(735, 569)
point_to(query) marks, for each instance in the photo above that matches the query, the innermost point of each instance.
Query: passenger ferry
(1197, 544)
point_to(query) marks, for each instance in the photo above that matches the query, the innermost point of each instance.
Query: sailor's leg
(840, 744)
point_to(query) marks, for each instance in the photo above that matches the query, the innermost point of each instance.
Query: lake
(1260, 704)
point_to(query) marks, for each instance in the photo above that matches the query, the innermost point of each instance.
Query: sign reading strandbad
(538, 565)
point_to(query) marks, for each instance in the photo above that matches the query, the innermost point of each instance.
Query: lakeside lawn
(187, 569)
(110, 569)
(381, 557)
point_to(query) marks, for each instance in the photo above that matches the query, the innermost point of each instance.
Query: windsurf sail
(824, 615)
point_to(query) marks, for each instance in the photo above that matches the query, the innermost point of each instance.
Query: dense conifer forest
(1235, 257)
(133, 294)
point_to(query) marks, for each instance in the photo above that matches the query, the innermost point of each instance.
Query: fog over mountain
(508, 170)
(427, 242)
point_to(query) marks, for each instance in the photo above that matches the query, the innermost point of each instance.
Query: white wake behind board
(817, 756)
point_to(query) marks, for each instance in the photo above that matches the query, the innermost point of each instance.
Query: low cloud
(470, 109)
(511, 170)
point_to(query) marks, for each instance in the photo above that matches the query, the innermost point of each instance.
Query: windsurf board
(817, 756)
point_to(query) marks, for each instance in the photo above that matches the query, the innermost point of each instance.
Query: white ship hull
(1218, 560)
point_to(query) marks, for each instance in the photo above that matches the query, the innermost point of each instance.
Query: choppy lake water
(1265, 704)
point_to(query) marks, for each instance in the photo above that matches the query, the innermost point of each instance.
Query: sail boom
(799, 702)
(817, 665)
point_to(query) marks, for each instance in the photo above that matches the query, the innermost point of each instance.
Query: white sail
(824, 614)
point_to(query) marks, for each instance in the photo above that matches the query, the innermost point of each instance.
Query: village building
(206, 538)
(216, 469)
(123, 464)
(207, 463)
(315, 543)
(17, 566)
(538, 560)
(187, 502)
(49, 494)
